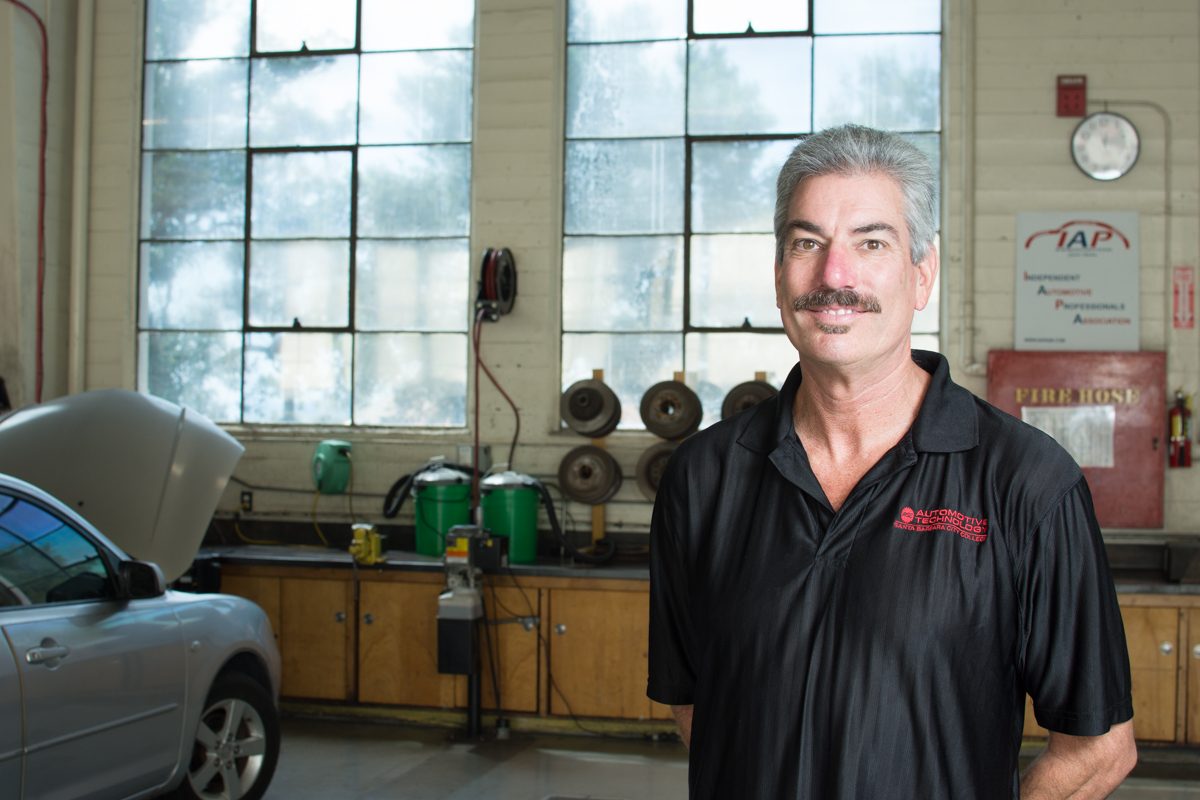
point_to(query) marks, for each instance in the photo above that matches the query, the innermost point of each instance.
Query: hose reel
(746, 395)
(497, 289)
(591, 408)
(670, 409)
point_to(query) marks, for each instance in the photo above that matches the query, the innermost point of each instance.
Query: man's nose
(837, 269)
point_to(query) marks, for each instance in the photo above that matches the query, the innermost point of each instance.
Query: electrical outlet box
(247, 502)
(465, 455)
(1072, 96)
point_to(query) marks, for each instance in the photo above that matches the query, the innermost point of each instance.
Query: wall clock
(1105, 145)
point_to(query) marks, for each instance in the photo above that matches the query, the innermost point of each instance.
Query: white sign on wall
(1077, 284)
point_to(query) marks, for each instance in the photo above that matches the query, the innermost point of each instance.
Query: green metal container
(331, 466)
(510, 508)
(441, 500)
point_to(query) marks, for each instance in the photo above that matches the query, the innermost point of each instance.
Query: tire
(233, 761)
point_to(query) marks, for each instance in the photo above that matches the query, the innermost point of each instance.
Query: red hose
(41, 223)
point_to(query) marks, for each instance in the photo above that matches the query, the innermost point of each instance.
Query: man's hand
(683, 719)
(1080, 767)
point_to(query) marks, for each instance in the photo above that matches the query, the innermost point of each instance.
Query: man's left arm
(1081, 767)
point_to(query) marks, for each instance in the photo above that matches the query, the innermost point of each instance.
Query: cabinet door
(597, 658)
(315, 637)
(1153, 637)
(397, 645)
(1192, 654)
(513, 632)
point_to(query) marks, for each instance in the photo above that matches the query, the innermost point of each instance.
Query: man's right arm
(683, 720)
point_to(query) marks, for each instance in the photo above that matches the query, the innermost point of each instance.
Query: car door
(102, 678)
(10, 724)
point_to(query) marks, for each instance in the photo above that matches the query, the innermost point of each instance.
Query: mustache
(820, 298)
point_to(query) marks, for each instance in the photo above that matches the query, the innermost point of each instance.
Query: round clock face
(1105, 145)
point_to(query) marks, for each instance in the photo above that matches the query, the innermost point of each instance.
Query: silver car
(111, 685)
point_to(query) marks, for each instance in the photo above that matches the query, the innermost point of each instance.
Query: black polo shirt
(883, 650)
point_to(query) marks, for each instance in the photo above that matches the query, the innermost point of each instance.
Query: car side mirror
(140, 579)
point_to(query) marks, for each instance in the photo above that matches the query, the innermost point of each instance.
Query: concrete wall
(1004, 152)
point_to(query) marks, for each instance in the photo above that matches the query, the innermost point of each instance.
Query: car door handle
(49, 651)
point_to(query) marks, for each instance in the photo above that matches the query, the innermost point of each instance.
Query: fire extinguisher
(1180, 426)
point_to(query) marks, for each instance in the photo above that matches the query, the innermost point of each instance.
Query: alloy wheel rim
(228, 751)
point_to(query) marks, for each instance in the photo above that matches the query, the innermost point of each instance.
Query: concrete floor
(332, 760)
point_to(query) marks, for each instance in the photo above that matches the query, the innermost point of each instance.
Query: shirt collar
(945, 423)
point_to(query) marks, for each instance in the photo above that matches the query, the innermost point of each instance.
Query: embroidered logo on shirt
(943, 519)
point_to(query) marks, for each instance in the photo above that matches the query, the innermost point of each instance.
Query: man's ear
(927, 272)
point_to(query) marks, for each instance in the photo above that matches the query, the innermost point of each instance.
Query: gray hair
(856, 150)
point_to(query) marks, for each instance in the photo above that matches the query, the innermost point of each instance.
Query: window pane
(197, 28)
(413, 285)
(414, 191)
(733, 280)
(889, 82)
(305, 282)
(287, 25)
(193, 195)
(303, 101)
(870, 16)
(625, 89)
(196, 105)
(411, 379)
(299, 378)
(624, 186)
(623, 283)
(760, 16)
(733, 185)
(749, 85)
(195, 285)
(388, 25)
(632, 363)
(416, 97)
(617, 20)
(717, 362)
(202, 371)
(301, 194)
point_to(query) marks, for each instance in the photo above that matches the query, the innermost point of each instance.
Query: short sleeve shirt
(883, 650)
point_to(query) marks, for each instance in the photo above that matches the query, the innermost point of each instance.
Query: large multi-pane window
(305, 210)
(678, 117)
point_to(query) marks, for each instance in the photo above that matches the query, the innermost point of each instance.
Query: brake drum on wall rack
(591, 408)
(746, 395)
(589, 474)
(650, 467)
(670, 409)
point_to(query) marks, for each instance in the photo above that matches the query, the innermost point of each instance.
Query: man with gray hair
(855, 584)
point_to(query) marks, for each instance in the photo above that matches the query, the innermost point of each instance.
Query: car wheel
(236, 744)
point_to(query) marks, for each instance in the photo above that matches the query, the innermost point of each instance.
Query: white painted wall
(1004, 152)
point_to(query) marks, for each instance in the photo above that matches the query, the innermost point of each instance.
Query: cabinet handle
(339, 616)
(560, 629)
(1166, 648)
(368, 618)
(1196, 651)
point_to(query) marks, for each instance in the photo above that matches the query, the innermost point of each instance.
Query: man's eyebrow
(877, 226)
(805, 225)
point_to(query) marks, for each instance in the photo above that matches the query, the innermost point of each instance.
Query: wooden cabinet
(513, 619)
(1152, 634)
(311, 613)
(1191, 656)
(597, 656)
(397, 644)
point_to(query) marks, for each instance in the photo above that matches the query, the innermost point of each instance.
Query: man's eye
(874, 244)
(806, 244)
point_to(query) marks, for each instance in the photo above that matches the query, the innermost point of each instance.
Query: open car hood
(146, 472)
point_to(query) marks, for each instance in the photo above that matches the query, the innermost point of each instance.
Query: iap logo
(1082, 235)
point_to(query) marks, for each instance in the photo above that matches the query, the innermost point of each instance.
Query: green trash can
(441, 500)
(510, 508)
